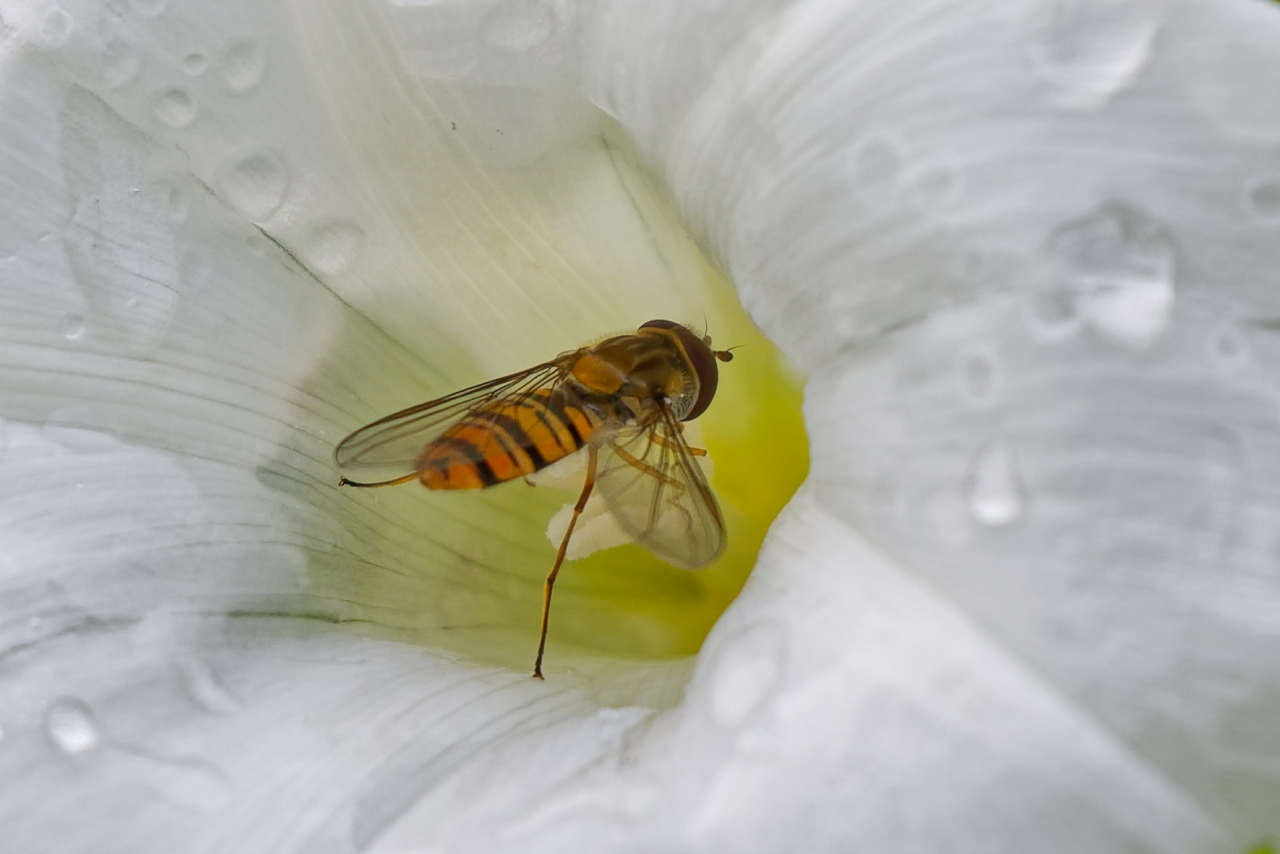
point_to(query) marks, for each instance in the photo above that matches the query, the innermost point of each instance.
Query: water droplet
(1055, 312)
(194, 64)
(207, 690)
(994, 493)
(875, 168)
(120, 64)
(518, 25)
(243, 65)
(1228, 347)
(979, 377)
(176, 204)
(72, 326)
(148, 8)
(1264, 198)
(255, 184)
(746, 671)
(70, 727)
(1114, 270)
(174, 108)
(56, 27)
(330, 247)
(1087, 52)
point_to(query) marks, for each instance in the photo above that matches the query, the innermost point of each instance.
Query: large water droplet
(1114, 269)
(120, 64)
(518, 25)
(70, 727)
(994, 492)
(746, 671)
(243, 65)
(1089, 51)
(174, 108)
(194, 64)
(1264, 198)
(72, 326)
(56, 27)
(255, 184)
(330, 247)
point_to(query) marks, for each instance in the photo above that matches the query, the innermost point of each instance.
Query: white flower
(1026, 253)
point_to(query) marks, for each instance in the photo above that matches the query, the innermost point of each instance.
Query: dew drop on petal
(255, 184)
(1087, 51)
(243, 65)
(174, 108)
(1054, 312)
(70, 727)
(176, 204)
(120, 64)
(993, 493)
(746, 672)
(1264, 198)
(1228, 347)
(194, 64)
(518, 25)
(330, 247)
(1116, 270)
(56, 27)
(72, 326)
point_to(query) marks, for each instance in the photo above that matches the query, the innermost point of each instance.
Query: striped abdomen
(507, 439)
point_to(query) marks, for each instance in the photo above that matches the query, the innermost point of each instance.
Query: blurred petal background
(1026, 253)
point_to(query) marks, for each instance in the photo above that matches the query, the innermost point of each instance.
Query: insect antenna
(727, 355)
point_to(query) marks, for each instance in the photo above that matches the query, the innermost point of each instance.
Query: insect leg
(633, 461)
(344, 482)
(564, 545)
(697, 452)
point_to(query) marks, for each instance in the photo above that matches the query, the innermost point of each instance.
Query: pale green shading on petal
(464, 570)
(495, 255)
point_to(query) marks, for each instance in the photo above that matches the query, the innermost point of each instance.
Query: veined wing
(655, 489)
(398, 440)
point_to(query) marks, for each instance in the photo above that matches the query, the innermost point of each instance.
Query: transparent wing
(398, 440)
(655, 489)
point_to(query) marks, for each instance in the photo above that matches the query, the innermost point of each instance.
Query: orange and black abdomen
(507, 439)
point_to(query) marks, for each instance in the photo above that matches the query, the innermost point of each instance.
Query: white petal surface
(1026, 252)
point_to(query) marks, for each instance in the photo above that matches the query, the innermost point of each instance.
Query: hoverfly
(623, 399)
